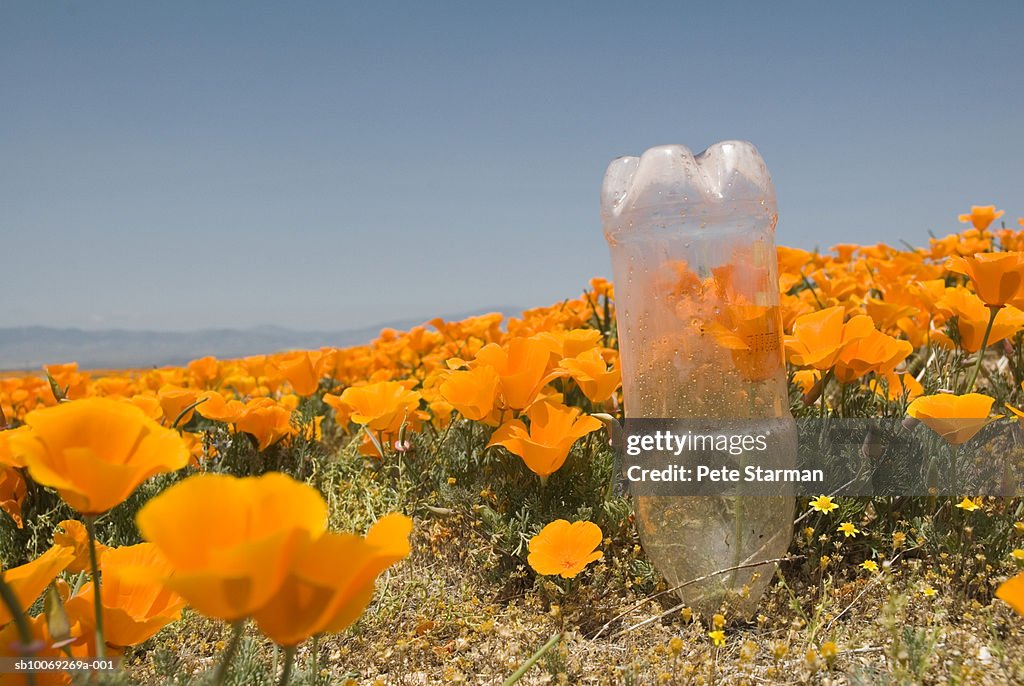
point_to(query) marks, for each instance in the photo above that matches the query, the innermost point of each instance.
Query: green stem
(20, 622)
(984, 344)
(237, 629)
(316, 650)
(97, 595)
(525, 667)
(954, 468)
(289, 660)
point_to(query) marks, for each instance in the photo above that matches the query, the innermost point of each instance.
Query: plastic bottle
(692, 243)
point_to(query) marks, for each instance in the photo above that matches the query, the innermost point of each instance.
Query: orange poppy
(972, 317)
(820, 337)
(981, 216)
(230, 570)
(565, 549)
(136, 604)
(12, 492)
(1011, 591)
(299, 369)
(522, 367)
(472, 392)
(31, 579)
(96, 451)
(570, 343)
(266, 421)
(218, 408)
(381, 406)
(956, 418)
(595, 377)
(998, 277)
(330, 582)
(342, 412)
(897, 386)
(205, 372)
(7, 455)
(553, 431)
(751, 335)
(875, 352)
(173, 401)
(72, 535)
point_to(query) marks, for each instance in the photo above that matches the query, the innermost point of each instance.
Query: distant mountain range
(30, 347)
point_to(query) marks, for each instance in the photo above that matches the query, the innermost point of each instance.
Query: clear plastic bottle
(692, 243)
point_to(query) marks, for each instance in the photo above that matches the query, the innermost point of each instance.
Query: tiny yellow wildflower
(718, 621)
(675, 645)
(830, 651)
(848, 529)
(928, 592)
(717, 637)
(1019, 527)
(1017, 554)
(898, 539)
(968, 505)
(869, 565)
(823, 504)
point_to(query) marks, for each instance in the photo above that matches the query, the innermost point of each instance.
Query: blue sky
(331, 165)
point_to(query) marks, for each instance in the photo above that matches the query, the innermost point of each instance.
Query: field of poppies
(439, 505)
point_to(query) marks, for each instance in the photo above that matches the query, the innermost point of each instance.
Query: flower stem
(984, 344)
(525, 667)
(316, 649)
(289, 660)
(20, 623)
(90, 528)
(237, 628)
